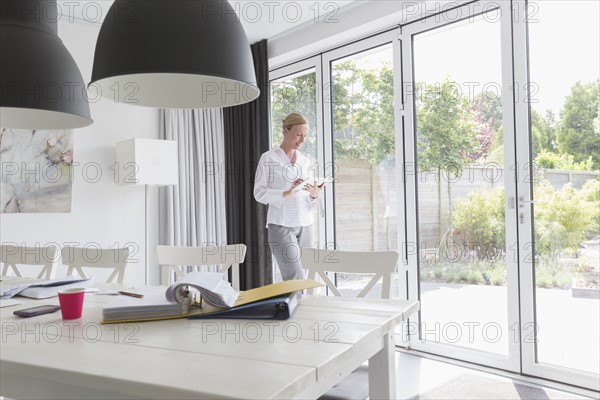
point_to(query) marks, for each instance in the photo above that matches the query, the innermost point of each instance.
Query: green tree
(578, 133)
(345, 97)
(363, 112)
(486, 109)
(298, 94)
(446, 131)
(362, 104)
(543, 132)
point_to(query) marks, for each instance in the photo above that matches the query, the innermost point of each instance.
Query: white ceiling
(266, 19)
(262, 19)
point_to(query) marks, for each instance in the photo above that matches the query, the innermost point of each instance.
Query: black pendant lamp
(174, 54)
(41, 86)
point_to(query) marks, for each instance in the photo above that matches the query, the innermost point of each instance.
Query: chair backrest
(12, 255)
(76, 258)
(381, 263)
(174, 257)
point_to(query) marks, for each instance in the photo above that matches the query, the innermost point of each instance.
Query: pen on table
(137, 295)
(97, 291)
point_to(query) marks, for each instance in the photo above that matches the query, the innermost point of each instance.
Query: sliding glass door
(351, 97)
(458, 145)
(559, 199)
(297, 89)
(468, 140)
(361, 138)
(503, 183)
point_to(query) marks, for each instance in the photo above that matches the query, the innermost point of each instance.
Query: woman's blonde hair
(294, 119)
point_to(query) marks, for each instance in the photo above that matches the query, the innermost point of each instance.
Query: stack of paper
(45, 289)
(214, 289)
(8, 291)
(153, 304)
(9, 302)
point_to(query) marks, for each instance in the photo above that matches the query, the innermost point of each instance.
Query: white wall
(353, 22)
(102, 213)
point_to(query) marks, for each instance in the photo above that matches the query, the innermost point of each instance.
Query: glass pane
(364, 157)
(566, 142)
(460, 185)
(297, 94)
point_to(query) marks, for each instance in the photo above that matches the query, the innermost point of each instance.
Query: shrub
(553, 272)
(562, 218)
(591, 193)
(480, 220)
(498, 276)
(550, 160)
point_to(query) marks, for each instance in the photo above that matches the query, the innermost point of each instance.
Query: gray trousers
(285, 245)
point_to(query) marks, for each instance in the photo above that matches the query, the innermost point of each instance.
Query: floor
(417, 374)
(452, 314)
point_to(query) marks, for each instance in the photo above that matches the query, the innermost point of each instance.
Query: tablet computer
(318, 181)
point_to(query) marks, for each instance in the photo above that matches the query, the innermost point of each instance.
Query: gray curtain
(192, 213)
(246, 138)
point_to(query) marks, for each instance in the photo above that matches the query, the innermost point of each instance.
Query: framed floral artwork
(37, 171)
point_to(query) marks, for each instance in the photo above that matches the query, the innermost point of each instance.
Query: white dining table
(46, 357)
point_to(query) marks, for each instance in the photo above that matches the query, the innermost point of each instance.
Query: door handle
(522, 202)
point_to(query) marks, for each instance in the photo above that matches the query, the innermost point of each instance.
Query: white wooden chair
(13, 255)
(76, 258)
(174, 257)
(383, 265)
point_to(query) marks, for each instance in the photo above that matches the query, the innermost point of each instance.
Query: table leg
(382, 370)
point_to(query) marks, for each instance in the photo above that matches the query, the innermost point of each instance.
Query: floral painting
(36, 170)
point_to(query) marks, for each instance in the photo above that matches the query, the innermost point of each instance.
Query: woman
(279, 183)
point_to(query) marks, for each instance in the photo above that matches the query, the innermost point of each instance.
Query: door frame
(526, 249)
(512, 362)
(298, 68)
(381, 39)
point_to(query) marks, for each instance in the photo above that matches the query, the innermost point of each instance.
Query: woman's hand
(314, 190)
(293, 190)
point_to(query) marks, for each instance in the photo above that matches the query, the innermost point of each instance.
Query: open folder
(275, 301)
(277, 308)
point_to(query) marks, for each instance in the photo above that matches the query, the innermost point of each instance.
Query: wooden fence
(365, 200)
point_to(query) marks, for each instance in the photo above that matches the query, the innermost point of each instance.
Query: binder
(275, 308)
(274, 301)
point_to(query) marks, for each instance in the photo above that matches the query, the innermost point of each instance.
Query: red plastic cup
(71, 302)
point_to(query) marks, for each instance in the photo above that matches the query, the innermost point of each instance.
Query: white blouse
(275, 175)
